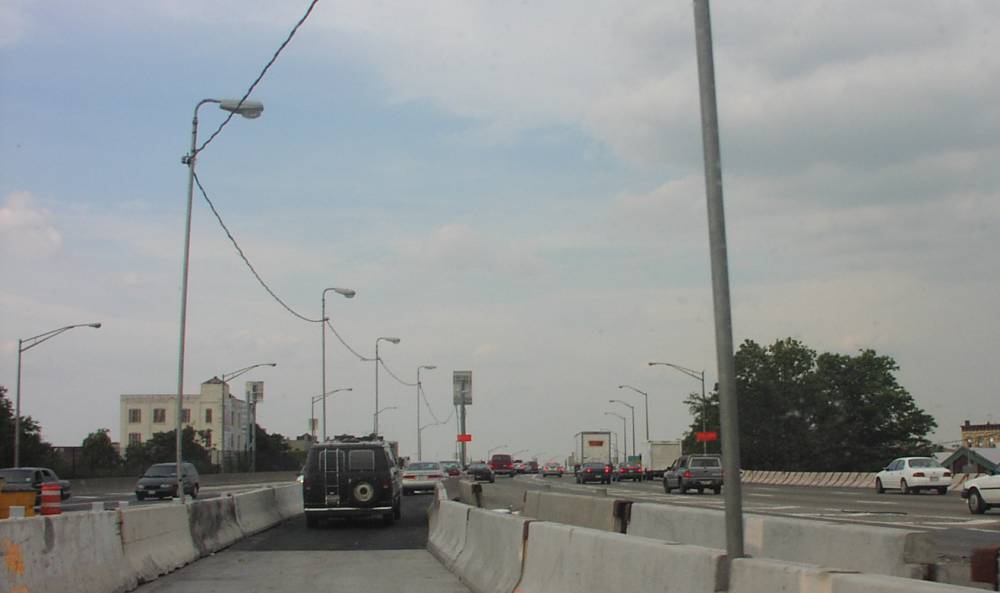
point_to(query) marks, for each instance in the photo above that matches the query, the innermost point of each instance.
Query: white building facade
(218, 418)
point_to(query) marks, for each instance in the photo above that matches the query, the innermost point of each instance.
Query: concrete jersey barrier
(71, 553)
(595, 512)
(156, 540)
(213, 524)
(865, 548)
(493, 553)
(755, 575)
(565, 559)
(257, 510)
(446, 538)
(289, 500)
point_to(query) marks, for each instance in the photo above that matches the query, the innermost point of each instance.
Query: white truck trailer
(593, 446)
(659, 455)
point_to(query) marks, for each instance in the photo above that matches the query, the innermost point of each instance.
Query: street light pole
(312, 408)
(429, 367)
(644, 395)
(23, 345)
(624, 430)
(699, 376)
(250, 110)
(632, 408)
(347, 293)
(377, 362)
(229, 377)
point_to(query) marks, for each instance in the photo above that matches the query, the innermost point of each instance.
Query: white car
(909, 475)
(422, 475)
(982, 493)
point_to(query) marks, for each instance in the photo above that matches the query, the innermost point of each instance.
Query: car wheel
(493, 480)
(943, 490)
(717, 489)
(681, 488)
(194, 491)
(700, 490)
(904, 487)
(140, 496)
(976, 504)
(666, 488)
(363, 493)
(312, 522)
(878, 487)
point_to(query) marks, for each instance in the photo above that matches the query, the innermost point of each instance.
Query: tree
(98, 452)
(162, 448)
(273, 452)
(800, 411)
(34, 451)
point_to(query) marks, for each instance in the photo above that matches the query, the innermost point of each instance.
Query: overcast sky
(511, 188)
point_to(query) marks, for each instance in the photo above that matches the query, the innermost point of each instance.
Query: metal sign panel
(255, 391)
(462, 384)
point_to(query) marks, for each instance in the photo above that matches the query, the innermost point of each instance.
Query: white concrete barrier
(493, 553)
(755, 575)
(595, 512)
(289, 501)
(156, 540)
(446, 537)
(69, 553)
(257, 510)
(565, 559)
(213, 524)
(864, 548)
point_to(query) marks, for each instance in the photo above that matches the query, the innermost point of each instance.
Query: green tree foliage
(34, 451)
(98, 454)
(800, 411)
(162, 448)
(273, 452)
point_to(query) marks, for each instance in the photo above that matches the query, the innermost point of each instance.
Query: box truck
(659, 455)
(593, 446)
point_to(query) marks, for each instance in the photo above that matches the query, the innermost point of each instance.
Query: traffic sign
(703, 437)
(465, 438)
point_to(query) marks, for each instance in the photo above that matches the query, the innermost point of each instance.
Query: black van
(351, 477)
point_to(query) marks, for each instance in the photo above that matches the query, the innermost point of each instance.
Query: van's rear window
(362, 460)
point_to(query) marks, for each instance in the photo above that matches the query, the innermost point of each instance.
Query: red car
(502, 464)
(629, 471)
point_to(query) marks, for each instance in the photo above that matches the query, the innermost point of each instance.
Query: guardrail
(115, 551)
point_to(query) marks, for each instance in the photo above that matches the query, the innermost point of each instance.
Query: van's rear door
(333, 468)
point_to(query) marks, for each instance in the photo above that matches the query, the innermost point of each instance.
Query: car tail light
(919, 475)
(607, 470)
(587, 470)
(947, 474)
(687, 473)
(409, 477)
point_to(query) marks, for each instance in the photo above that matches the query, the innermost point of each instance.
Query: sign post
(462, 396)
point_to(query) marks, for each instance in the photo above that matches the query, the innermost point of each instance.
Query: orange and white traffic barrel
(51, 499)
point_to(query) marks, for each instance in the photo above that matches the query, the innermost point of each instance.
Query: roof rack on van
(350, 438)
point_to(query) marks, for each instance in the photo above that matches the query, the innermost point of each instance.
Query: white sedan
(422, 475)
(982, 493)
(912, 474)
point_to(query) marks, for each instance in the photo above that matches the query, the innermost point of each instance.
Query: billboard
(255, 391)
(462, 384)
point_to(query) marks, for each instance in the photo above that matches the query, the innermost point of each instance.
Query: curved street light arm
(36, 340)
(230, 376)
(699, 375)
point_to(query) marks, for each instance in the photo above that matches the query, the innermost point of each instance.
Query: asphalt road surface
(341, 555)
(956, 531)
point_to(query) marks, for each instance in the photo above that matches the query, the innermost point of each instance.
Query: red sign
(465, 438)
(703, 437)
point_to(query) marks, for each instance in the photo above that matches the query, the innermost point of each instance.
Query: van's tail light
(947, 474)
(687, 473)
(919, 475)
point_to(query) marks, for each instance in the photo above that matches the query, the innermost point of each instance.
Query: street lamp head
(271, 364)
(429, 367)
(248, 109)
(94, 325)
(393, 340)
(347, 292)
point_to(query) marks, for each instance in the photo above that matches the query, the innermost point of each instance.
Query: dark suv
(351, 477)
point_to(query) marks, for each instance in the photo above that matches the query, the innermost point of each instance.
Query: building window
(208, 416)
(159, 415)
(208, 439)
(135, 438)
(134, 415)
(186, 415)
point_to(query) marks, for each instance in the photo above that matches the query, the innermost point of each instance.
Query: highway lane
(956, 531)
(343, 555)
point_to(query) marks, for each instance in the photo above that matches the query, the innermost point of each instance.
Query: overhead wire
(243, 256)
(260, 77)
(361, 357)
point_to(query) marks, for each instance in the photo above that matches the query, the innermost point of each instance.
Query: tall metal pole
(704, 412)
(462, 428)
(420, 452)
(322, 329)
(720, 282)
(17, 408)
(634, 450)
(375, 421)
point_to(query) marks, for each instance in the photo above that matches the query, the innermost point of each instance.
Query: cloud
(25, 230)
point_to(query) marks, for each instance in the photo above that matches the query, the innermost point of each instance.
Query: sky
(514, 189)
